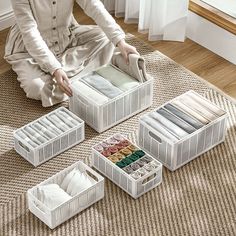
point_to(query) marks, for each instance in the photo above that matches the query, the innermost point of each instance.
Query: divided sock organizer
(127, 165)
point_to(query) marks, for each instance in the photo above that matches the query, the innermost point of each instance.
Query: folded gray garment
(80, 88)
(58, 122)
(170, 126)
(136, 67)
(158, 127)
(46, 131)
(50, 126)
(117, 77)
(206, 104)
(190, 111)
(196, 106)
(27, 139)
(102, 85)
(176, 120)
(184, 116)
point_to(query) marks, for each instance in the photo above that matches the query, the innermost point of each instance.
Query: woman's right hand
(63, 81)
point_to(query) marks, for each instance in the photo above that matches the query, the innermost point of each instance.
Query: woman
(47, 46)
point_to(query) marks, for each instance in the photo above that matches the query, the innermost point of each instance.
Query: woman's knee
(32, 87)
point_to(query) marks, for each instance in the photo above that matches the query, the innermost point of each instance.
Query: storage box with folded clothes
(182, 129)
(65, 194)
(127, 165)
(48, 136)
(112, 93)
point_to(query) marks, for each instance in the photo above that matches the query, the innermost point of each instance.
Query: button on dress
(46, 37)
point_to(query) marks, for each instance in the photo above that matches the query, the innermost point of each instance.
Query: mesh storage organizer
(82, 200)
(103, 116)
(174, 154)
(126, 165)
(48, 136)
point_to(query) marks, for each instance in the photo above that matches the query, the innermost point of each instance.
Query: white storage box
(48, 141)
(116, 110)
(121, 176)
(76, 204)
(176, 154)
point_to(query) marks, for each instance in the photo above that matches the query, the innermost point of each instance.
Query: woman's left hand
(126, 49)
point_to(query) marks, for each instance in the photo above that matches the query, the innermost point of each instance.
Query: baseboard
(6, 20)
(212, 37)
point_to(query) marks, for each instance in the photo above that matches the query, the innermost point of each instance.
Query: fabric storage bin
(55, 141)
(103, 116)
(173, 155)
(134, 187)
(58, 215)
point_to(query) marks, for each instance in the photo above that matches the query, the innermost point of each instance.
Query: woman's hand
(126, 49)
(63, 81)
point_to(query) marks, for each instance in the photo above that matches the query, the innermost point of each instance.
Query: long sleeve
(32, 38)
(96, 10)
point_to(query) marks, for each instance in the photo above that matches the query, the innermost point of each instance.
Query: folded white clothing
(190, 111)
(69, 117)
(26, 139)
(171, 127)
(102, 85)
(196, 106)
(52, 195)
(79, 182)
(159, 127)
(65, 120)
(50, 126)
(78, 87)
(35, 134)
(207, 104)
(64, 184)
(58, 122)
(42, 130)
(31, 137)
(118, 78)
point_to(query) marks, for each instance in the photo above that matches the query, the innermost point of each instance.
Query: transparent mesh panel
(56, 146)
(64, 142)
(209, 132)
(127, 105)
(111, 112)
(116, 176)
(222, 129)
(201, 141)
(119, 109)
(185, 150)
(216, 133)
(72, 137)
(109, 170)
(124, 182)
(105, 116)
(48, 151)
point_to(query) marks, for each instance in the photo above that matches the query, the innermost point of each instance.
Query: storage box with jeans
(173, 152)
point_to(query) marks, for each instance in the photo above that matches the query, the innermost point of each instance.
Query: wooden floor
(196, 58)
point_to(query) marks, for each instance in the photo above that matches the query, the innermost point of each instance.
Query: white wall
(212, 37)
(6, 14)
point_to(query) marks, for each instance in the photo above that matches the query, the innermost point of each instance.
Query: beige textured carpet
(198, 199)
